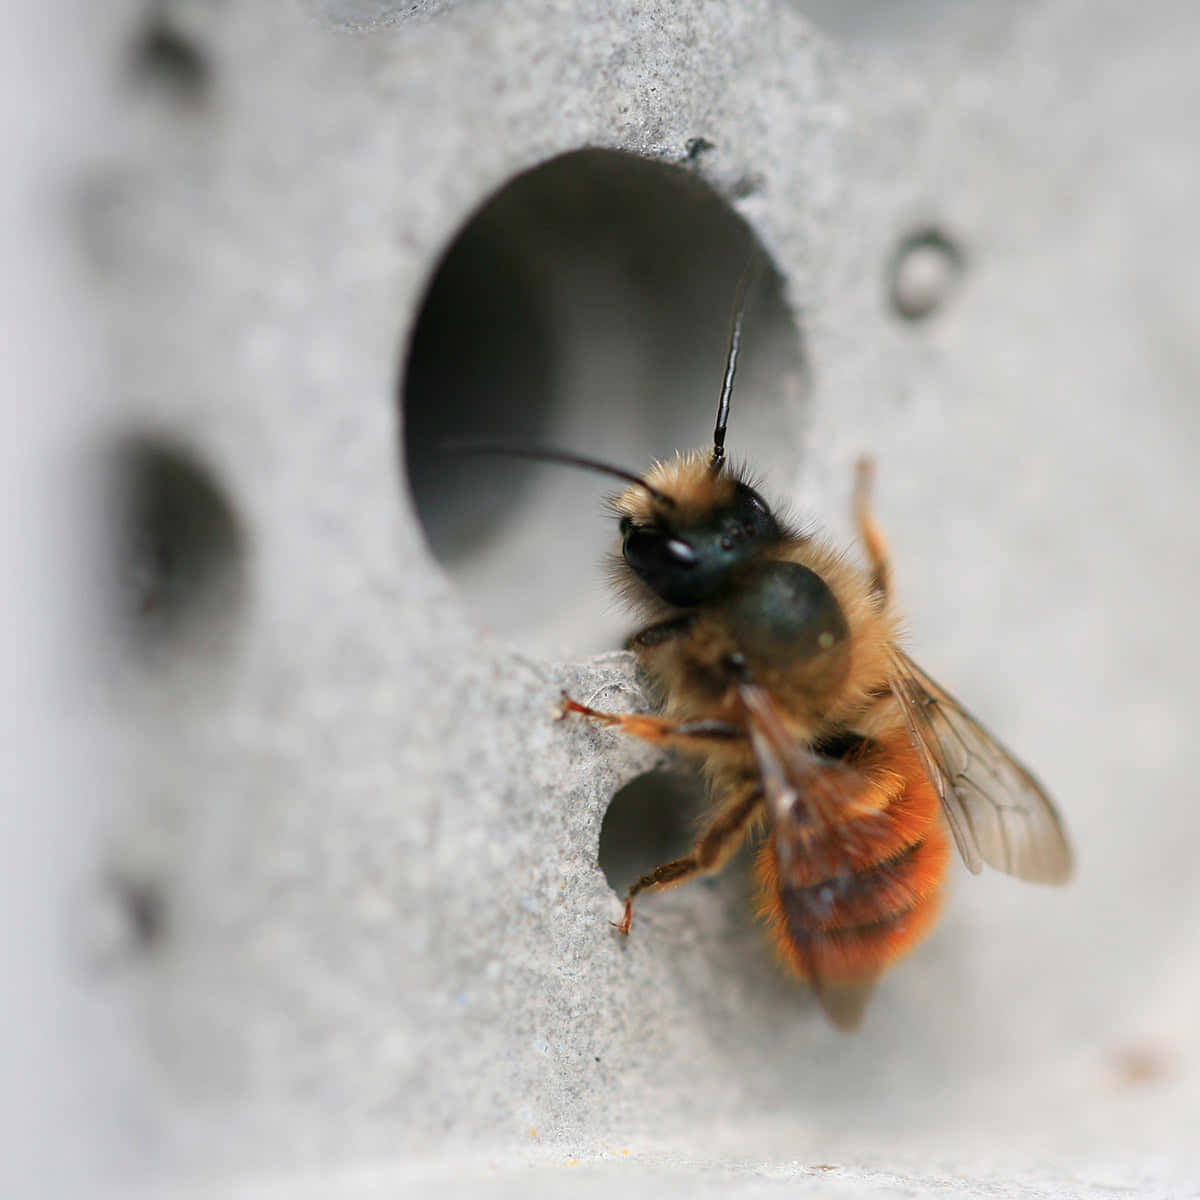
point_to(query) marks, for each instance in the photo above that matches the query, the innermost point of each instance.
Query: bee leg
(722, 837)
(869, 530)
(660, 632)
(697, 737)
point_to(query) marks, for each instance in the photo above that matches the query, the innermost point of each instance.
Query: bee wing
(808, 796)
(997, 811)
(807, 792)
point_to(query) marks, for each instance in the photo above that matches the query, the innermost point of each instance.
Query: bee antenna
(735, 345)
(510, 450)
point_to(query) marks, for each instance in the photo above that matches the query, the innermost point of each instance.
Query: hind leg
(716, 844)
(869, 530)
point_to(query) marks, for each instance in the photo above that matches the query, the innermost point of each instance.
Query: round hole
(165, 59)
(123, 918)
(650, 821)
(923, 273)
(585, 307)
(178, 554)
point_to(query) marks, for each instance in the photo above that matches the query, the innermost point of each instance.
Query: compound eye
(751, 511)
(681, 553)
(754, 499)
(751, 499)
(651, 550)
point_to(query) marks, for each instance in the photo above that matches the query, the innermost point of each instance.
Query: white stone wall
(303, 886)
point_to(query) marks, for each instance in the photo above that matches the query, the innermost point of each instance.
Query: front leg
(694, 737)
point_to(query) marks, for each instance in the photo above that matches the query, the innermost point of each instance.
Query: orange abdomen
(863, 890)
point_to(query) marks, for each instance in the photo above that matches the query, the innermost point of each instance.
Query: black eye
(675, 569)
(751, 499)
(750, 511)
(651, 550)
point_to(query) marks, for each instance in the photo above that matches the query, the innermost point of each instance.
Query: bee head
(688, 530)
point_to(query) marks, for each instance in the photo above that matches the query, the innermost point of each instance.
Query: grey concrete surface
(343, 927)
(68, 1053)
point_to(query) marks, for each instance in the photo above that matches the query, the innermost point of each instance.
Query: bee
(782, 673)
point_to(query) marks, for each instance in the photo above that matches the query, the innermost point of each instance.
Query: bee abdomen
(859, 894)
(885, 892)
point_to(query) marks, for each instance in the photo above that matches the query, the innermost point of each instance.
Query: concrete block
(345, 917)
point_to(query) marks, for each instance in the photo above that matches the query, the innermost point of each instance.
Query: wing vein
(997, 811)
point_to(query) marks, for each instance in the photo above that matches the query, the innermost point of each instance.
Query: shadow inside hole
(585, 307)
(650, 821)
(178, 554)
(165, 59)
(124, 920)
(480, 363)
(923, 273)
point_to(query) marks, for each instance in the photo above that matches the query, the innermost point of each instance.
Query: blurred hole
(124, 919)
(923, 273)
(178, 552)
(480, 362)
(164, 58)
(650, 821)
(586, 306)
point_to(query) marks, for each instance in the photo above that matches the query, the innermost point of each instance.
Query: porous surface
(345, 922)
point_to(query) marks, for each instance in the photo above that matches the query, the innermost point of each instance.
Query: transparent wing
(997, 811)
(821, 809)
(818, 823)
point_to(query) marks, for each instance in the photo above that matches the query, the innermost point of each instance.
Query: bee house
(306, 892)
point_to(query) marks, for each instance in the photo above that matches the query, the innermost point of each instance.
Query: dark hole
(585, 307)
(165, 59)
(179, 553)
(650, 821)
(480, 362)
(146, 911)
(125, 920)
(923, 273)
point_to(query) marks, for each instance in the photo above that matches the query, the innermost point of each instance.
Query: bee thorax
(785, 616)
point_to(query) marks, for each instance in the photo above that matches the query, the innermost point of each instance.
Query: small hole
(650, 821)
(924, 271)
(585, 307)
(124, 919)
(178, 549)
(167, 60)
(147, 913)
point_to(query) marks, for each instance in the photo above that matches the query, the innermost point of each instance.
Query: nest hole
(584, 307)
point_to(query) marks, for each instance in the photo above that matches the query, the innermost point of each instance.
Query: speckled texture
(384, 963)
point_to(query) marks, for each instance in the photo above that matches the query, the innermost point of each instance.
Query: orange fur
(857, 955)
(900, 799)
(887, 900)
(863, 837)
(886, 849)
(873, 627)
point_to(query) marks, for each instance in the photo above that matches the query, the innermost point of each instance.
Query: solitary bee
(782, 674)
